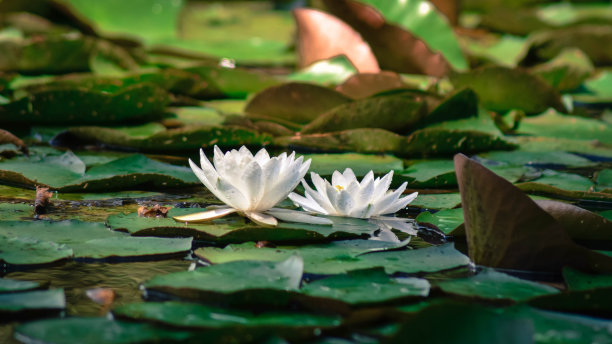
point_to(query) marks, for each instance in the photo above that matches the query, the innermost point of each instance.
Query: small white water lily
(346, 196)
(251, 185)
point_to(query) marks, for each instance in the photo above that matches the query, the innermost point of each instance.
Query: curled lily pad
(235, 229)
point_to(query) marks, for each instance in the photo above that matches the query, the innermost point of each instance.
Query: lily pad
(431, 173)
(367, 287)
(555, 125)
(492, 285)
(548, 159)
(331, 71)
(226, 323)
(36, 300)
(238, 283)
(91, 330)
(447, 220)
(236, 229)
(515, 90)
(132, 172)
(31, 251)
(437, 201)
(326, 164)
(82, 106)
(567, 71)
(395, 113)
(577, 280)
(294, 102)
(12, 285)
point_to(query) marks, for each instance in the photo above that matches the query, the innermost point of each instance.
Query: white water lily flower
(251, 185)
(346, 196)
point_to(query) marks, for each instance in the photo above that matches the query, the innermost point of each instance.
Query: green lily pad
(230, 323)
(92, 330)
(84, 240)
(367, 287)
(15, 211)
(395, 113)
(565, 181)
(332, 71)
(555, 125)
(492, 285)
(440, 141)
(567, 71)
(31, 251)
(235, 229)
(594, 302)
(132, 172)
(82, 106)
(239, 283)
(361, 164)
(431, 173)
(556, 158)
(604, 179)
(12, 285)
(188, 138)
(515, 90)
(447, 220)
(294, 102)
(220, 82)
(577, 280)
(460, 104)
(505, 51)
(423, 20)
(465, 323)
(52, 299)
(437, 201)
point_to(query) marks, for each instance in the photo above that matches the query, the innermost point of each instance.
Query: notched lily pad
(236, 229)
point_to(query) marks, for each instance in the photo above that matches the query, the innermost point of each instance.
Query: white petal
(362, 211)
(288, 215)
(349, 175)
(235, 198)
(385, 235)
(317, 197)
(386, 203)
(401, 224)
(205, 216)
(368, 178)
(211, 185)
(338, 179)
(304, 168)
(262, 156)
(333, 195)
(400, 203)
(218, 157)
(381, 186)
(261, 219)
(253, 182)
(344, 203)
(307, 203)
(283, 185)
(207, 167)
(245, 152)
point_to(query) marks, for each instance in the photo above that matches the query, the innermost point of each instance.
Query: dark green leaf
(32, 300)
(11, 285)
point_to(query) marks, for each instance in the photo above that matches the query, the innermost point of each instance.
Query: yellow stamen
(339, 187)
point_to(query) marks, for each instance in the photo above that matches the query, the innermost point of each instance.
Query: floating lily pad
(437, 201)
(65, 239)
(52, 299)
(492, 285)
(515, 89)
(366, 287)
(226, 323)
(238, 283)
(555, 125)
(331, 71)
(132, 172)
(440, 141)
(187, 138)
(236, 229)
(31, 251)
(539, 159)
(11, 285)
(361, 164)
(577, 280)
(395, 113)
(82, 106)
(567, 71)
(92, 330)
(294, 102)
(564, 181)
(431, 173)
(220, 82)
(594, 302)
(447, 220)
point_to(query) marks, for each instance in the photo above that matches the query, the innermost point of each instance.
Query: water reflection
(77, 278)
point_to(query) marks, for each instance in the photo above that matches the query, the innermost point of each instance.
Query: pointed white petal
(362, 211)
(261, 218)
(344, 203)
(262, 156)
(207, 167)
(218, 157)
(384, 204)
(211, 185)
(307, 203)
(205, 216)
(349, 175)
(338, 179)
(400, 203)
(253, 183)
(317, 197)
(245, 152)
(368, 178)
(288, 215)
(381, 186)
(304, 168)
(235, 198)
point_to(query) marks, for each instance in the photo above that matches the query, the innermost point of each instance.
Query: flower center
(339, 187)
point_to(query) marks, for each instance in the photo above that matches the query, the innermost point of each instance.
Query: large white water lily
(251, 185)
(346, 196)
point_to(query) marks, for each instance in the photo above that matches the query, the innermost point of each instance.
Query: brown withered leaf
(8, 137)
(450, 9)
(364, 85)
(42, 200)
(395, 48)
(507, 229)
(322, 36)
(154, 211)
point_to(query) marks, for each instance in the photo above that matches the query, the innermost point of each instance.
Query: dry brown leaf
(42, 200)
(154, 211)
(322, 36)
(8, 137)
(395, 48)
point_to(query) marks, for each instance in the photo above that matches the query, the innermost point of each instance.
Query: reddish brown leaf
(364, 85)
(42, 200)
(395, 48)
(580, 223)
(322, 36)
(8, 137)
(154, 211)
(450, 9)
(507, 229)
